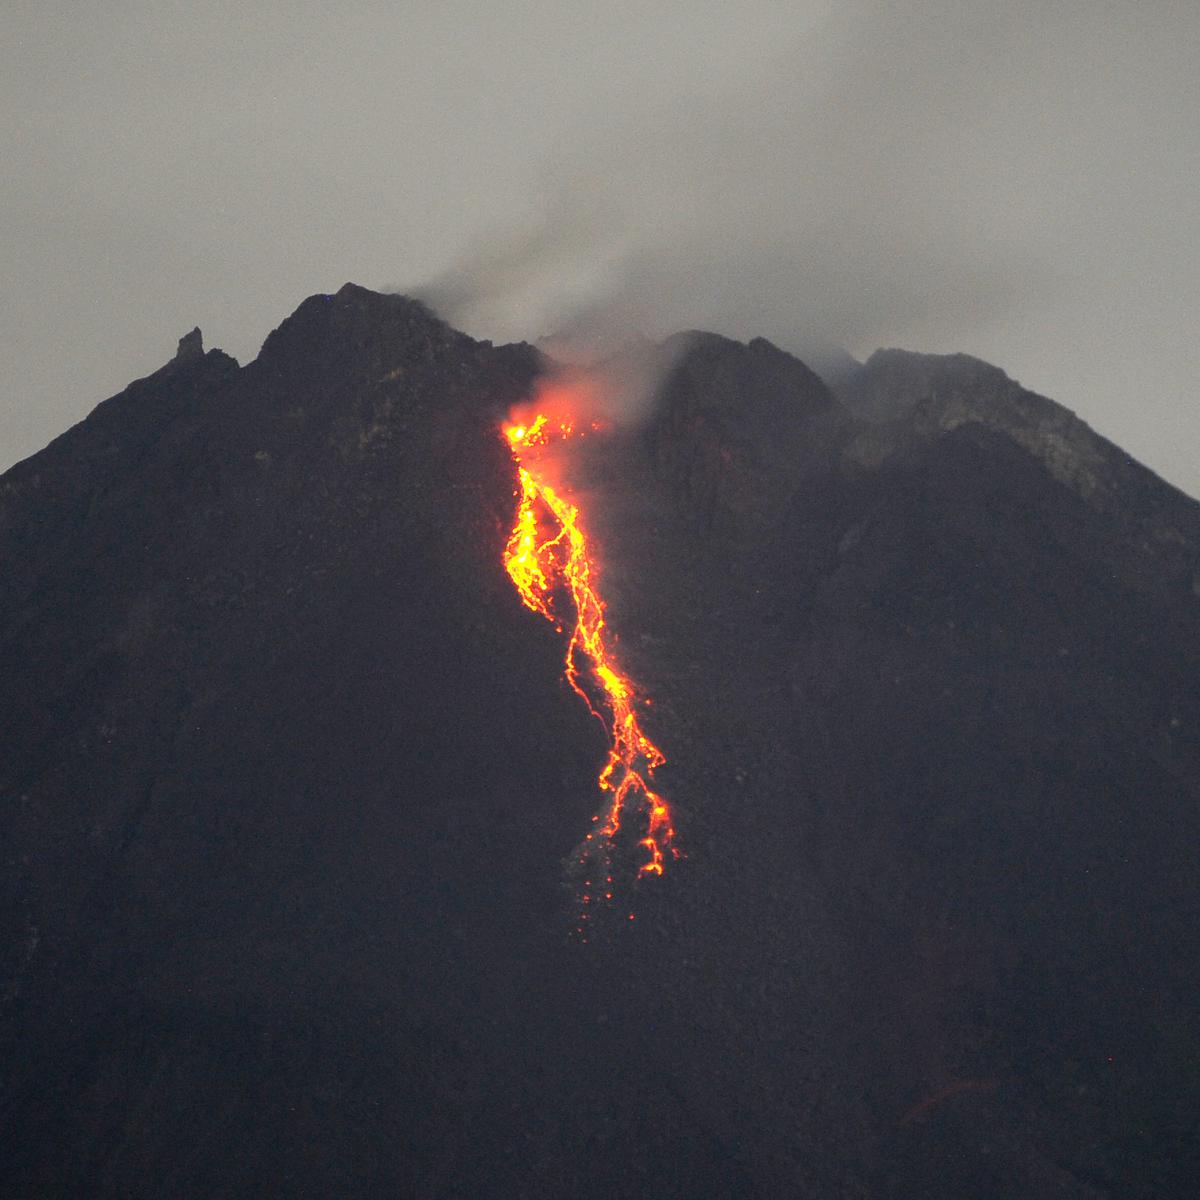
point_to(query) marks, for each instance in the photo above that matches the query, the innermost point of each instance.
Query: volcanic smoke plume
(942, 176)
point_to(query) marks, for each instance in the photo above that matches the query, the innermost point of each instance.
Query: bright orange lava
(544, 561)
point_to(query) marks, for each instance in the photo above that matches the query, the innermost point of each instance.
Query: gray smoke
(901, 174)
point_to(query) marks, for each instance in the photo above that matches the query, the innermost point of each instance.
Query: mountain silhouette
(292, 782)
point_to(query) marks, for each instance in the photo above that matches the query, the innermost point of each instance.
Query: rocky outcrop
(918, 397)
(191, 345)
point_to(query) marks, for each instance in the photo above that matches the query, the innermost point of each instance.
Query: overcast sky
(1018, 180)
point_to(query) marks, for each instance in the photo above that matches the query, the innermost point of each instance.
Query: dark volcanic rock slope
(289, 776)
(953, 683)
(277, 846)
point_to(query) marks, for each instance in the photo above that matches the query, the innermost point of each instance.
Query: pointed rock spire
(191, 346)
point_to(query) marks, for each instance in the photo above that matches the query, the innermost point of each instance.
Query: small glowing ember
(547, 553)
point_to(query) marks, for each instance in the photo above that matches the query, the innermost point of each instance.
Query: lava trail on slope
(548, 559)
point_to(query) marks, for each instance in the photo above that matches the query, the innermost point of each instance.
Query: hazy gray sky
(1015, 180)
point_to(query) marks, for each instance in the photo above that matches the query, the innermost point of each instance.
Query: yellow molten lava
(542, 563)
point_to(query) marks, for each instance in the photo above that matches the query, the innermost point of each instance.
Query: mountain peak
(191, 346)
(354, 329)
(905, 395)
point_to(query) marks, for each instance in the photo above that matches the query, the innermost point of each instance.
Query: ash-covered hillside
(290, 779)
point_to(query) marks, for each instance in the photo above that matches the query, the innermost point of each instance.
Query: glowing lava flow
(542, 564)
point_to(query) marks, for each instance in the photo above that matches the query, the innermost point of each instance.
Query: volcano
(293, 787)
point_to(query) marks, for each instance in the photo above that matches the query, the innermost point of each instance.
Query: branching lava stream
(547, 553)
